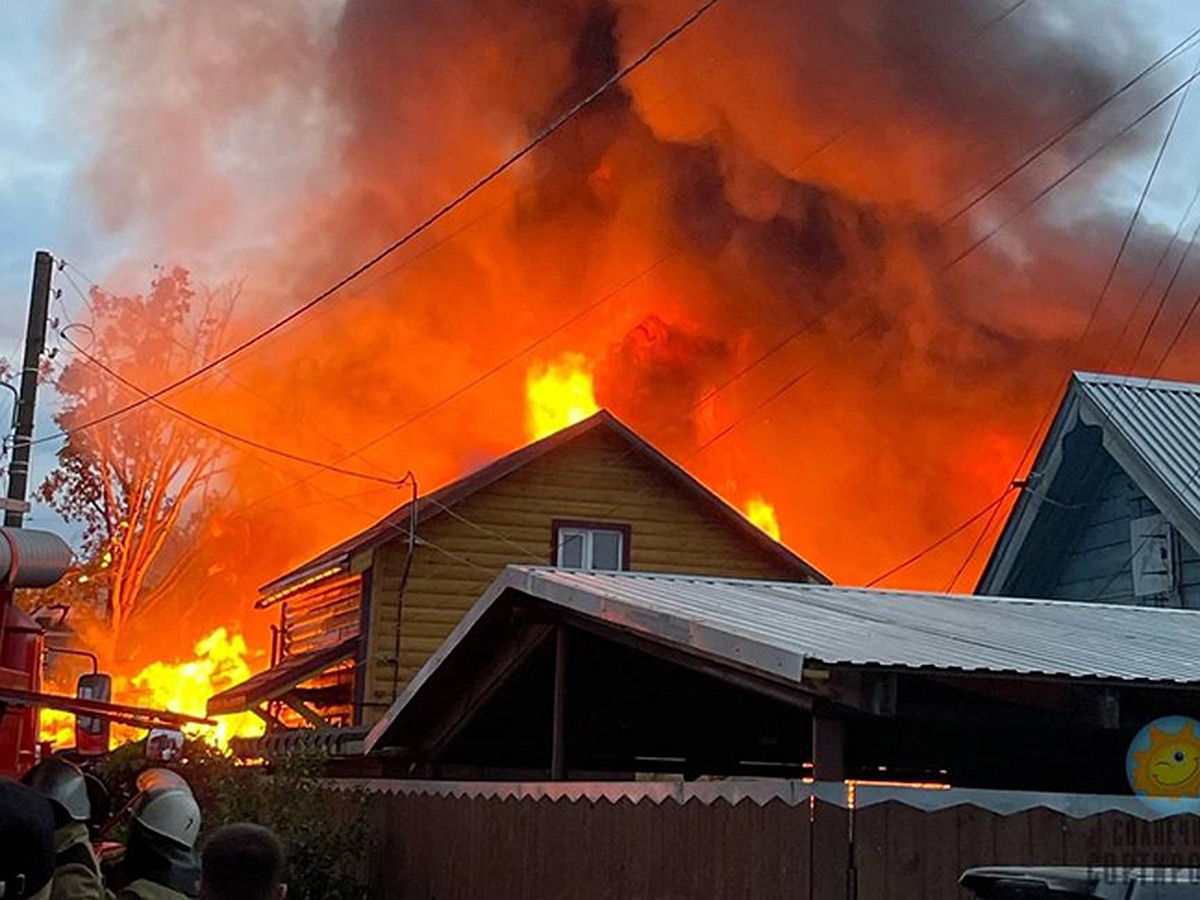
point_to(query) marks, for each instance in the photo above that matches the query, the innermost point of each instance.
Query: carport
(556, 675)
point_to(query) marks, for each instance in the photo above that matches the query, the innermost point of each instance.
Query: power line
(1041, 194)
(491, 371)
(292, 415)
(994, 507)
(883, 576)
(853, 126)
(739, 420)
(218, 430)
(454, 514)
(1162, 257)
(1162, 302)
(422, 226)
(1095, 311)
(1055, 138)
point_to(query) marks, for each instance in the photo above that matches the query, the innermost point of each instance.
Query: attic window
(591, 546)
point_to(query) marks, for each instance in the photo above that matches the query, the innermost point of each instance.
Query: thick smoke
(781, 174)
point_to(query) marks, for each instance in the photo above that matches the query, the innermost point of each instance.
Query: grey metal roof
(1151, 427)
(1160, 423)
(781, 628)
(860, 626)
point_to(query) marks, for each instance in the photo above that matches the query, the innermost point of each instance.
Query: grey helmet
(64, 785)
(161, 780)
(166, 808)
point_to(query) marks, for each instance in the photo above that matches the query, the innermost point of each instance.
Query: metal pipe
(34, 559)
(408, 561)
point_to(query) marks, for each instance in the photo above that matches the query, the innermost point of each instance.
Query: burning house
(357, 622)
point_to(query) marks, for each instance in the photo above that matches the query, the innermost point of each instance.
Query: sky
(46, 144)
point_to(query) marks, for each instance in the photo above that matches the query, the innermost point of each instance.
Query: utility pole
(15, 505)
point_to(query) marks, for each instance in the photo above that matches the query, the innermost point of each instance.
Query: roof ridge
(845, 588)
(1136, 381)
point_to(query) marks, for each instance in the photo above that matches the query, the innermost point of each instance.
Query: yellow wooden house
(358, 621)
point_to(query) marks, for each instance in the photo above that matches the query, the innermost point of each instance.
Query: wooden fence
(737, 841)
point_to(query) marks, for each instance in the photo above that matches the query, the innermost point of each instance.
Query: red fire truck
(38, 559)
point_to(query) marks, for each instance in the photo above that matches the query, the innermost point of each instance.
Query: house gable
(594, 478)
(1105, 474)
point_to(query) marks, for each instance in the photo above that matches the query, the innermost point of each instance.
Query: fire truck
(38, 559)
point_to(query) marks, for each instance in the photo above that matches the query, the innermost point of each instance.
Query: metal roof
(780, 629)
(1151, 427)
(861, 626)
(1160, 422)
(278, 680)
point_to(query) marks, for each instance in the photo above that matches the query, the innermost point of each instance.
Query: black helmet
(27, 836)
(63, 784)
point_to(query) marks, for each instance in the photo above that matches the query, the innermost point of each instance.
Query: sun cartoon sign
(1164, 759)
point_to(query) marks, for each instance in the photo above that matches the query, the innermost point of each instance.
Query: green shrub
(325, 832)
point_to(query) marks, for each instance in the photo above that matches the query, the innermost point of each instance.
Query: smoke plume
(783, 173)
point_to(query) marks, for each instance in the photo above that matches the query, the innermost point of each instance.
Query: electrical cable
(422, 226)
(1180, 48)
(883, 576)
(292, 416)
(1162, 302)
(216, 429)
(1041, 194)
(851, 127)
(1095, 310)
(1162, 257)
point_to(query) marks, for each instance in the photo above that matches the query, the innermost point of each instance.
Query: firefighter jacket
(155, 870)
(145, 889)
(76, 869)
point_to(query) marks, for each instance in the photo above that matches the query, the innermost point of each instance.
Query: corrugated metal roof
(798, 624)
(1151, 428)
(1160, 423)
(783, 629)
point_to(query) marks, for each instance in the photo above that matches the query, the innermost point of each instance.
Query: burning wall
(781, 174)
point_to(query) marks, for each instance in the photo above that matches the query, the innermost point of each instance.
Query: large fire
(559, 393)
(745, 242)
(184, 687)
(181, 686)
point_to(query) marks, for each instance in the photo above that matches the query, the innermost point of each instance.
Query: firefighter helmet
(166, 808)
(64, 785)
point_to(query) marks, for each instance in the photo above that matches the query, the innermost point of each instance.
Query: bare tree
(140, 482)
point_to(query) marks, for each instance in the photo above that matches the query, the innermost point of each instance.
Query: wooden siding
(1097, 564)
(593, 478)
(321, 616)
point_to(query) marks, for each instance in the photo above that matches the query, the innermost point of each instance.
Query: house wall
(595, 478)
(1097, 565)
(321, 616)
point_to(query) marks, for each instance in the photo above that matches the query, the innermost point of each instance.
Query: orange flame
(185, 687)
(762, 514)
(558, 394)
(182, 687)
(57, 727)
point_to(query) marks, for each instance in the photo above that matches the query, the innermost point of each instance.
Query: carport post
(829, 752)
(558, 763)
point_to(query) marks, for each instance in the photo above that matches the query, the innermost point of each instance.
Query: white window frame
(587, 558)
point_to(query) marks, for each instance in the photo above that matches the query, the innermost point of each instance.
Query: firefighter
(26, 843)
(76, 869)
(160, 860)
